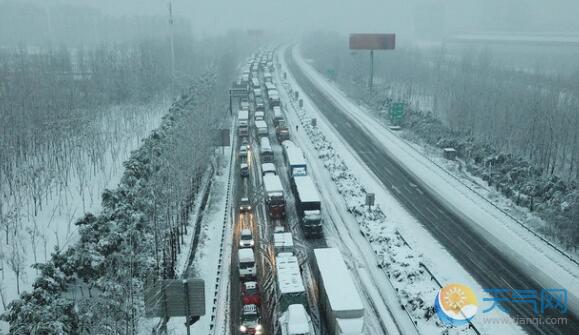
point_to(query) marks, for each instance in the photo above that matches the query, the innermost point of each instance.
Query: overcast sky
(401, 16)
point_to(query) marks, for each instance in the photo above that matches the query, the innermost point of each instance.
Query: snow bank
(531, 255)
(402, 264)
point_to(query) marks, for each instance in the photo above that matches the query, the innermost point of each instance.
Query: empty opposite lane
(483, 261)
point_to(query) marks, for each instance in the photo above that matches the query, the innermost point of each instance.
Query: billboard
(372, 41)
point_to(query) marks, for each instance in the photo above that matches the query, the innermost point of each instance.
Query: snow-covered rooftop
(277, 112)
(297, 320)
(260, 124)
(272, 183)
(264, 143)
(246, 255)
(289, 279)
(351, 326)
(340, 289)
(243, 114)
(294, 154)
(283, 240)
(287, 143)
(306, 189)
(268, 167)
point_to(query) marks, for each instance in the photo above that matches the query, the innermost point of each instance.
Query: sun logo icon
(456, 304)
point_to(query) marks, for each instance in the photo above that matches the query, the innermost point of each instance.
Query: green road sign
(397, 111)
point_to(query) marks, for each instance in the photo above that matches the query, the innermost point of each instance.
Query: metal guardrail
(160, 328)
(226, 220)
(543, 239)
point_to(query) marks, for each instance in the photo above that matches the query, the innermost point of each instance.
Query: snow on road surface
(533, 256)
(326, 149)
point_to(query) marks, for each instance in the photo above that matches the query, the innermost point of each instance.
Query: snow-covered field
(384, 226)
(62, 204)
(532, 255)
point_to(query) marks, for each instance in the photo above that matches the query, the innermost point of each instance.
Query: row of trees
(96, 285)
(46, 24)
(517, 129)
(64, 112)
(63, 115)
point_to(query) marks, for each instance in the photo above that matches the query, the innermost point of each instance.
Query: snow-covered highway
(490, 265)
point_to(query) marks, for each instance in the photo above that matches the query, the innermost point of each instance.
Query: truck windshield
(246, 265)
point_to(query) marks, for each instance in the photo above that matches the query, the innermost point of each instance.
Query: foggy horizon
(415, 19)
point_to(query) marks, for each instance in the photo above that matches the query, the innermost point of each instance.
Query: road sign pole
(187, 307)
(371, 83)
(230, 104)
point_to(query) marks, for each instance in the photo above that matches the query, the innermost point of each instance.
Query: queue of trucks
(343, 313)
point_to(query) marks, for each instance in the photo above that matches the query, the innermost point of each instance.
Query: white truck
(340, 302)
(274, 196)
(265, 150)
(283, 243)
(277, 116)
(268, 168)
(308, 205)
(296, 321)
(290, 287)
(243, 122)
(294, 156)
(261, 128)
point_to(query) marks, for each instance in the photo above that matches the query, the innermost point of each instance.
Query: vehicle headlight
(243, 329)
(258, 327)
(251, 243)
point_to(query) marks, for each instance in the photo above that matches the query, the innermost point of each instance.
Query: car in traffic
(244, 205)
(250, 320)
(250, 293)
(246, 239)
(243, 150)
(247, 271)
(244, 169)
(259, 104)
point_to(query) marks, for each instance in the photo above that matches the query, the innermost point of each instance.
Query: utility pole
(171, 23)
(371, 70)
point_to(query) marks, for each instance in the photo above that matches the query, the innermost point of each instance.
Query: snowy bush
(399, 261)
